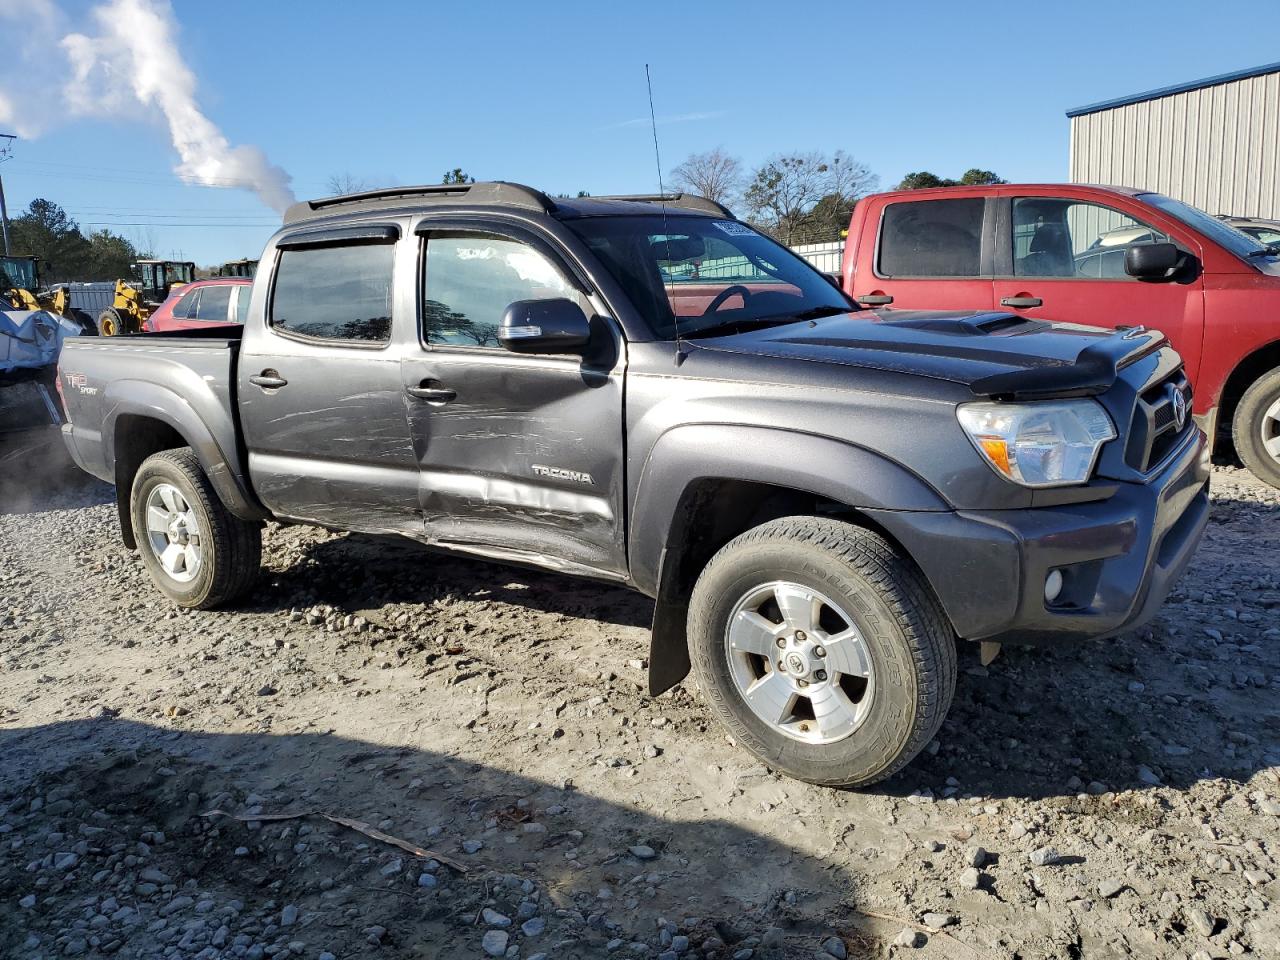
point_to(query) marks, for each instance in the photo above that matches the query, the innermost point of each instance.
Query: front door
(520, 455)
(1063, 260)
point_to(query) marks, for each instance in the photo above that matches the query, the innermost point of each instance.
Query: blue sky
(546, 94)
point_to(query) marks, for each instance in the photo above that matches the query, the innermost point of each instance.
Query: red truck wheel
(1255, 428)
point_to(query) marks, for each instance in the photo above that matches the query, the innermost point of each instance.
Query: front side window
(185, 308)
(471, 279)
(932, 238)
(213, 305)
(1054, 237)
(335, 293)
(693, 275)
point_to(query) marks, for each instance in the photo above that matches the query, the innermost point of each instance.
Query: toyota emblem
(1179, 408)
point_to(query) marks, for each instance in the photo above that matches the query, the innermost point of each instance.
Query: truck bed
(183, 381)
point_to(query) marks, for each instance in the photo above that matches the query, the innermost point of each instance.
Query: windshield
(17, 273)
(1223, 234)
(699, 273)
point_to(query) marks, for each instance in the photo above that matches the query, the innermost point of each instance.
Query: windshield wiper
(1270, 250)
(776, 320)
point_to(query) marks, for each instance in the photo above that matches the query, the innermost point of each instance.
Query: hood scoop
(974, 324)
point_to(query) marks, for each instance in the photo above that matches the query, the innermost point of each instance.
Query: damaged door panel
(320, 393)
(517, 453)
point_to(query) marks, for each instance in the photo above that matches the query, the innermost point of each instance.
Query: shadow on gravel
(81, 803)
(371, 570)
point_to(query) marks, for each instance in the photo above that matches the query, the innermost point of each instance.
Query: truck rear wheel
(199, 554)
(822, 650)
(1255, 428)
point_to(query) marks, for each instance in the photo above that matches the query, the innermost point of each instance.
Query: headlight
(1045, 444)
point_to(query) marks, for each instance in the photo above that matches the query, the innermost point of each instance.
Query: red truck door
(1061, 257)
(932, 253)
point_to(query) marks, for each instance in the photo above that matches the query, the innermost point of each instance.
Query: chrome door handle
(1021, 302)
(432, 394)
(875, 300)
(268, 380)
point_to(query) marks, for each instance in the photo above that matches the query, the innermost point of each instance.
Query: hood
(995, 354)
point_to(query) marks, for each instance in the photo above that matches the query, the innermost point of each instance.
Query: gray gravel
(1116, 799)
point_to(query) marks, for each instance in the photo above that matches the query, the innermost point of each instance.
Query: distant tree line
(44, 230)
(803, 197)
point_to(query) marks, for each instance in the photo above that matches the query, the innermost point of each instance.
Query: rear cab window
(931, 238)
(336, 293)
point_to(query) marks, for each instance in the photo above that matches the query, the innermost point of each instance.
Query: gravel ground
(1120, 798)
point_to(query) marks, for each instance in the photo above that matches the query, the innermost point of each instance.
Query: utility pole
(6, 151)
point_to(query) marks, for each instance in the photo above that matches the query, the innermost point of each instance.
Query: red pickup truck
(1102, 256)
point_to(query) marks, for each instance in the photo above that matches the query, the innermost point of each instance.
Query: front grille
(1155, 430)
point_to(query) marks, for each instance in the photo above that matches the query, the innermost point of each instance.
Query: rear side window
(932, 238)
(335, 293)
(242, 302)
(214, 302)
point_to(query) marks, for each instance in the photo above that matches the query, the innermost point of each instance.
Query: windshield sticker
(733, 229)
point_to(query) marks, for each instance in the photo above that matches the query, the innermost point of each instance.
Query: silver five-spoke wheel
(1270, 429)
(173, 533)
(800, 662)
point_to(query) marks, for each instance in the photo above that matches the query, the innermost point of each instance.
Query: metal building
(1213, 143)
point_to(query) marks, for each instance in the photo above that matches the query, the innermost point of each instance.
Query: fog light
(1052, 586)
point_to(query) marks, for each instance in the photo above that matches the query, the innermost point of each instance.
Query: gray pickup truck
(645, 390)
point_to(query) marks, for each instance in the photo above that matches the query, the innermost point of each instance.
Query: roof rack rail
(498, 193)
(690, 201)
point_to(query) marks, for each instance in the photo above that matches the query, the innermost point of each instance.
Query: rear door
(520, 456)
(933, 254)
(1061, 257)
(321, 402)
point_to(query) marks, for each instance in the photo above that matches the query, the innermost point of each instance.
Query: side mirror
(544, 326)
(1152, 261)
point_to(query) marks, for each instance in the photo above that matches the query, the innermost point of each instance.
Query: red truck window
(932, 238)
(1055, 237)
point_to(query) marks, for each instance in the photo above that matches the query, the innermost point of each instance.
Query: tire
(112, 323)
(1255, 428)
(226, 552)
(88, 327)
(895, 666)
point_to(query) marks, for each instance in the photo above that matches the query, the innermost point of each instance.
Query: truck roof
(499, 194)
(988, 188)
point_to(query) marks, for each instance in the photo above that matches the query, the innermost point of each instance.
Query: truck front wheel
(821, 650)
(199, 554)
(1255, 428)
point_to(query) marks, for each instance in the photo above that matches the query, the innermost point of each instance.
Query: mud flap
(668, 639)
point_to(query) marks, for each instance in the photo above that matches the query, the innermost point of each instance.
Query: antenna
(666, 233)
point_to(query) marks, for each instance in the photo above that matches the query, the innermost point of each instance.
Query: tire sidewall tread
(1244, 427)
(912, 647)
(232, 549)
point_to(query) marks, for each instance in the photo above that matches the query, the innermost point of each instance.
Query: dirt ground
(1115, 799)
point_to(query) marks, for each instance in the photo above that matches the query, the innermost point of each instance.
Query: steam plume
(135, 60)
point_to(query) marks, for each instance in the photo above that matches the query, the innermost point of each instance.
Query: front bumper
(1119, 557)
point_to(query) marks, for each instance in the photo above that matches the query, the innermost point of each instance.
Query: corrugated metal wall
(1217, 148)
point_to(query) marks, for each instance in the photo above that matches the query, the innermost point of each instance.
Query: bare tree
(715, 175)
(799, 197)
(343, 183)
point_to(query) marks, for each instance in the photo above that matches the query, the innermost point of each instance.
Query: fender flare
(156, 402)
(792, 459)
